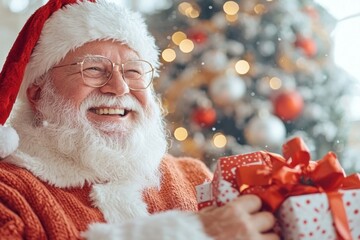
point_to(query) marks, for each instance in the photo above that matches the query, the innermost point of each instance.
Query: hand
(239, 219)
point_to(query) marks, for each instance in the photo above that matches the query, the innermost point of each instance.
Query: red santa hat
(50, 33)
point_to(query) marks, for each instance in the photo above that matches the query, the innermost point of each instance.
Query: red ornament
(288, 105)
(205, 117)
(197, 36)
(307, 45)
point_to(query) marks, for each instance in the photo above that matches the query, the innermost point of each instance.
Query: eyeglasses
(96, 71)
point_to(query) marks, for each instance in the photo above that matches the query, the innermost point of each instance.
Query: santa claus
(89, 157)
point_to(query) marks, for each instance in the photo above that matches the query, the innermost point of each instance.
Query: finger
(263, 221)
(208, 209)
(249, 203)
(270, 236)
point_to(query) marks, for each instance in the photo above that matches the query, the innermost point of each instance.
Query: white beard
(61, 146)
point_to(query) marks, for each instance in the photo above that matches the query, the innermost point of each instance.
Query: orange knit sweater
(33, 209)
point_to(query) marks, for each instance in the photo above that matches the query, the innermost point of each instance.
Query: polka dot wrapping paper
(299, 217)
(309, 216)
(224, 187)
(204, 195)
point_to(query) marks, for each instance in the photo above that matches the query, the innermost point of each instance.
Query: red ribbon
(294, 174)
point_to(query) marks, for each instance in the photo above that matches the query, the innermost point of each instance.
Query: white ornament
(270, 30)
(9, 141)
(265, 131)
(235, 48)
(219, 20)
(214, 60)
(314, 111)
(227, 89)
(263, 86)
(267, 48)
(243, 110)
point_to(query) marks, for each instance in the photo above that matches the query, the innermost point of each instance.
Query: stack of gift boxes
(310, 199)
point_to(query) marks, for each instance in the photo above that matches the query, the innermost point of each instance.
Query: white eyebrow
(92, 55)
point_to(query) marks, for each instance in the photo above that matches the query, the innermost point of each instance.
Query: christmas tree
(247, 75)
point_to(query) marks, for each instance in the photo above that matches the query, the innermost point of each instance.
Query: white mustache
(97, 100)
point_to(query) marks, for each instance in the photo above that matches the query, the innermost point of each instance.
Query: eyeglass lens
(97, 71)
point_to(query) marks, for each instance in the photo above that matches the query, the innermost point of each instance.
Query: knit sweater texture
(33, 209)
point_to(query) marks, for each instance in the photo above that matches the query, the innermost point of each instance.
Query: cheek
(143, 97)
(77, 96)
(76, 93)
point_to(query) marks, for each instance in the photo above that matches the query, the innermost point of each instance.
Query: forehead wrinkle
(124, 60)
(114, 51)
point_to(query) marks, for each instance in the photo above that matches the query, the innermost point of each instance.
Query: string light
(183, 7)
(275, 83)
(177, 37)
(219, 140)
(168, 55)
(259, 9)
(242, 67)
(186, 46)
(194, 13)
(188, 10)
(231, 7)
(180, 134)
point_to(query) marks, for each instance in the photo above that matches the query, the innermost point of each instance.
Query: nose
(116, 85)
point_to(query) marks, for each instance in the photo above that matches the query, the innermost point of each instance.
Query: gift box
(310, 216)
(224, 187)
(204, 195)
(291, 181)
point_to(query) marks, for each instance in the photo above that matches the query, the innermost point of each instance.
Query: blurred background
(239, 76)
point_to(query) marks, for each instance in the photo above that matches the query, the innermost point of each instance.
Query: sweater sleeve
(193, 169)
(27, 210)
(16, 217)
(11, 226)
(174, 225)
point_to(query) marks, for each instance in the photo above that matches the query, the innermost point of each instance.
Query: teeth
(109, 111)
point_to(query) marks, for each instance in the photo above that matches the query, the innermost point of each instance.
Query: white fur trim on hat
(9, 141)
(76, 24)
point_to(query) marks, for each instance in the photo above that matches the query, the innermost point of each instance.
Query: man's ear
(33, 95)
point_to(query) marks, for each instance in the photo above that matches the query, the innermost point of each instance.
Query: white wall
(346, 34)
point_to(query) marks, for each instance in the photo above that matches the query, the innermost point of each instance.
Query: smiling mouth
(110, 111)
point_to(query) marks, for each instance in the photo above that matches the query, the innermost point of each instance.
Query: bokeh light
(186, 46)
(242, 67)
(168, 55)
(219, 140)
(180, 134)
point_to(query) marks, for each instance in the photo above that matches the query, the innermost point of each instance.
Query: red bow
(294, 174)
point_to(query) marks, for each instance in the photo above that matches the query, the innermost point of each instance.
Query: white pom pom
(9, 141)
